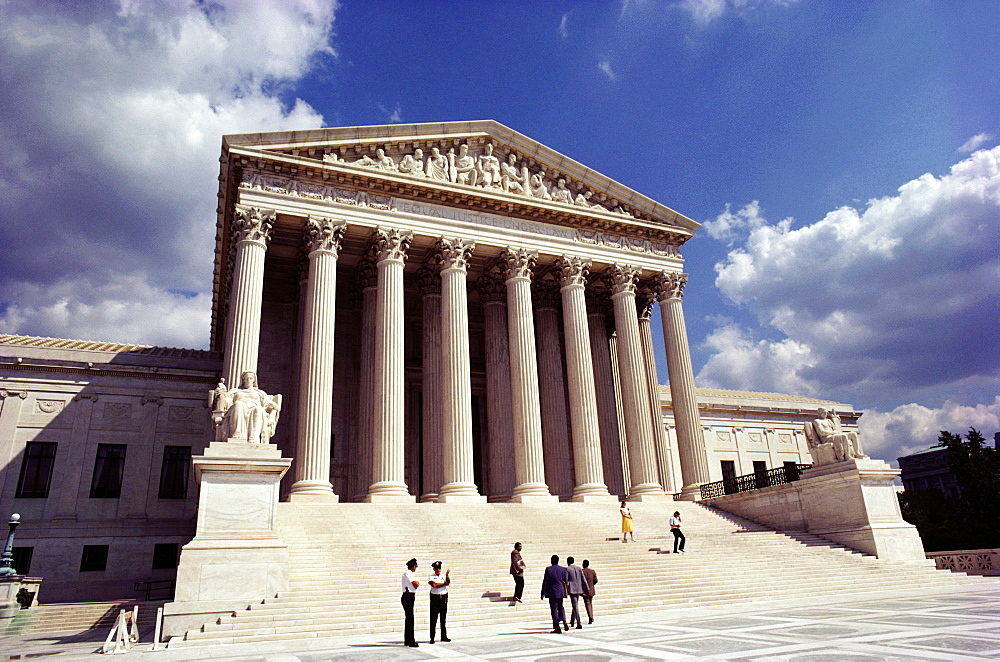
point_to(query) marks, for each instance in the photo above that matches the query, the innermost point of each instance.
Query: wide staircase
(346, 561)
(77, 616)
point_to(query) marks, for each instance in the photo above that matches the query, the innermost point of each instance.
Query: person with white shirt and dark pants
(675, 528)
(410, 585)
(439, 599)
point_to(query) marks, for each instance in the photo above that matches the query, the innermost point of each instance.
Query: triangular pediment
(481, 158)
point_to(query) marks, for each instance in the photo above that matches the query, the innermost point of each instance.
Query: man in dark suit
(554, 588)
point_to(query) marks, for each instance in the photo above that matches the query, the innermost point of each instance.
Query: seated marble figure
(246, 413)
(828, 442)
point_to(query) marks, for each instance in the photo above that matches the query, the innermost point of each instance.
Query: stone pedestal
(9, 586)
(853, 503)
(236, 556)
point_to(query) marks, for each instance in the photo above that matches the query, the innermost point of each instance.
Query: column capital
(572, 270)
(645, 299)
(428, 281)
(518, 262)
(324, 234)
(545, 291)
(669, 285)
(390, 244)
(453, 253)
(491, 287)
(5, 393)
(622, 278)
(253, 224)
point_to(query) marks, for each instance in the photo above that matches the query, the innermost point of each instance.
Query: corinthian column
(552, 387)
(529, 464)
(645, 303)
(459, 476)
(598, 299)
(589, 470)
(429, 285)
(389, 452)
(683, 400)
(252, 229)
(366, 276)
(499, 420)
(635, 403)
(315, 415)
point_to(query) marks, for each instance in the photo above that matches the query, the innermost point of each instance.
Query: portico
(448, 334)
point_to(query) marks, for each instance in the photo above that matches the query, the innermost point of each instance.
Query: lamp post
(7, 559)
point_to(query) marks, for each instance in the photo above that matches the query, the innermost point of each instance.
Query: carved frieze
(325, 193)
(49, 406)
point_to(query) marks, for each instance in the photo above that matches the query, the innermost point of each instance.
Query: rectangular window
(22, 559)
(36, 470)
(95, 558)
(791, 470)
(165, 556)
(109, 467)
(174, 472)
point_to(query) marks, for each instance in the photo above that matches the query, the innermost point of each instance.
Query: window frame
(103, 468)
(36, 462)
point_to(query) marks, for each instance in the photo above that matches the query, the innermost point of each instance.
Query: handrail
(754, 481)
(166, 586)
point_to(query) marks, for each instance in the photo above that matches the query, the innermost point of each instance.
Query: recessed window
(95, 558)
(174, 472)
(36, 470)
(22, 559)
(165, 556)
(109, 467)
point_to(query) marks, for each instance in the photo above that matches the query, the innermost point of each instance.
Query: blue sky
(842, 156)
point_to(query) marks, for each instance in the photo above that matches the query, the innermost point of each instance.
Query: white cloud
(111, 130)
(393, 115)
(895, 302)
(975, 142)
(912, 427)
(729, 226)
(563, 27)
(605, 65)
(738, 362)
(706, 11)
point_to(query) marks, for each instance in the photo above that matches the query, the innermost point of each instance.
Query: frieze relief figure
(413, 164)
(488, 168)
(561, 193)
(246, 413)
(463, 168)
(382, 161)
(828, 442)
(537, 186)
(511, 180)
(437, 165)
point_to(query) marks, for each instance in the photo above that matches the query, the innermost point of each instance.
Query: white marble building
(451, 312)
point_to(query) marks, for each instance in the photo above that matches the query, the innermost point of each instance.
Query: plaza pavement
(918, 624)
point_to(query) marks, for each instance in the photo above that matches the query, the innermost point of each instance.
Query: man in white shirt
(675, 528)
(439, 599)
(410, 585)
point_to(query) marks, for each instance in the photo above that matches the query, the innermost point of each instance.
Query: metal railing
(157, 589)
(754, 481)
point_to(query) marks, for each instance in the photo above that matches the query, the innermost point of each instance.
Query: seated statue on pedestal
(828, 442)
(246, 413)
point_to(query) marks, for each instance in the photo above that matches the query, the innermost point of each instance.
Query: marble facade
(450, 313)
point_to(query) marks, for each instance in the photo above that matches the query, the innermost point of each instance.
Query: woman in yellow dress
(626, 523)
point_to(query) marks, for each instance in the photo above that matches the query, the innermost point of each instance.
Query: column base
(592, 493)
(650, 498)
(534, 498)
(534, 492)
(647, 492)
(312, 487)
(430, 497)
(389, 492)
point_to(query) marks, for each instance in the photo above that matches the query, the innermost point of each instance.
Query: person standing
(626, 523)
(410, 585)
(577, 585)
(439, 599)
(588, 597)
(675, 528)
(517, 571)
(554, 588)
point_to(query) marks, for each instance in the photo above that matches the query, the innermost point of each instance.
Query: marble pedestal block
(236, 556)
(852, 502)
(9, 608)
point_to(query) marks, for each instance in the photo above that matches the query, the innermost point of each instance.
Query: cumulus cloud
(112, 125)
(894, 303)
(975, 142)
(912, 427)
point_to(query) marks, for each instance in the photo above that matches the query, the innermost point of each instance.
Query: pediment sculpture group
(828, 442)
(483, 170)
